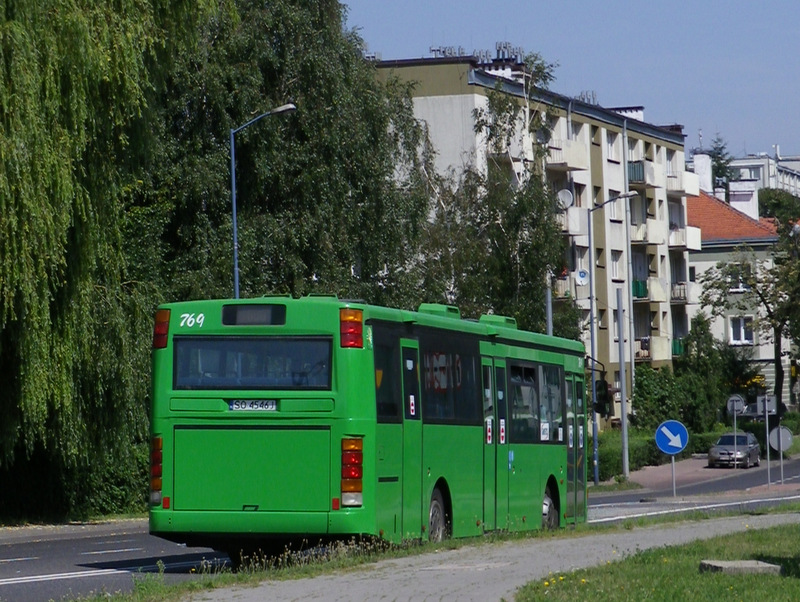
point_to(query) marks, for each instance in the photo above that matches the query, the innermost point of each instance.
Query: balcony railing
(641, 174)
(679, 291)
(678, 347)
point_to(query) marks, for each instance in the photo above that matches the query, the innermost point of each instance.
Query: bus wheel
(549, 511)
(437, 519)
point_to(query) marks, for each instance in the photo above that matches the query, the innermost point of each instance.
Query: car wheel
(758, 460)
(747, 461)
(710, 464)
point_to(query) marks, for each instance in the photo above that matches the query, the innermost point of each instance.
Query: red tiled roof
(718, 221)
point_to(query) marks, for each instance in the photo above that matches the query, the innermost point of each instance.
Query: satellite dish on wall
(581, 277)
(565, 198)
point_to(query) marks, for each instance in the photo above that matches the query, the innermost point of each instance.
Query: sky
(718, 67)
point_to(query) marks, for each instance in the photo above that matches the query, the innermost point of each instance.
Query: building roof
(721, 224)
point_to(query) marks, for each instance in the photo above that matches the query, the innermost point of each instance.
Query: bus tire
(438, 524)
(549, 511)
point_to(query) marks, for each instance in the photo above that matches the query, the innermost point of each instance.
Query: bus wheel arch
(551, 505)
(440, 513)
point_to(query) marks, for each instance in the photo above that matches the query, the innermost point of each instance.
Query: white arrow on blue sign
(671, 437)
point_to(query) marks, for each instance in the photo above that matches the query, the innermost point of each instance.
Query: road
(51, 562)
(43, 563)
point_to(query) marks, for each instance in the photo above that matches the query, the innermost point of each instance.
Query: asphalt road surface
(54, 562)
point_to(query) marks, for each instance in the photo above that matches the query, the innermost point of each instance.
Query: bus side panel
(455, 453)
(388, 489)
(251, 469)
(530, 468)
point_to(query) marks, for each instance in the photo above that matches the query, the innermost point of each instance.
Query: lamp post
(281, 109)
(595, 459)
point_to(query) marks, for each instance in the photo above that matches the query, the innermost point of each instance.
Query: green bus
(279, 419)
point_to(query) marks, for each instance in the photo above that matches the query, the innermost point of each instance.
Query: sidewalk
(695, 470)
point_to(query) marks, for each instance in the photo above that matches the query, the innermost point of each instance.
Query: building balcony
(651, 232)
(575, 222)
(651, 290)
(683, 183)
(657, 290)
(680, 292)
(566, 287)
(641, 174)
(652, 349)
(566, 155)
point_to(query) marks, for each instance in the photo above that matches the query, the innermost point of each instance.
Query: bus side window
(387, 383)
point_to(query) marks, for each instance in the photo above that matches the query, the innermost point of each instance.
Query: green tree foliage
(721, 171)
(766, 285)
(494, 235)
(701, 377)
(657, 397)
(76, 75)
(779, 204)
(329, 197)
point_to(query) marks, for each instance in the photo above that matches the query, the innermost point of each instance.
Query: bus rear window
(242, 363)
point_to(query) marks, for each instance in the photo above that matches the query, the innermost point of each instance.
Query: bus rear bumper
(196, 528)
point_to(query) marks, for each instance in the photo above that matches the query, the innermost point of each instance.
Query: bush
(642, 450)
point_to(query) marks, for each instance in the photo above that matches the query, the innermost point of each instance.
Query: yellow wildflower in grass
(547, 584)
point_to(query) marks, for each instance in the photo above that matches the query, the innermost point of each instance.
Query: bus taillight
(161, 329)
(351, 327)
(352, 472)
(156, 462)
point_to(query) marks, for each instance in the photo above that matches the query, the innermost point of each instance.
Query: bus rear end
(252, 441)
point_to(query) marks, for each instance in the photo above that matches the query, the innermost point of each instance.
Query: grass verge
(349, 555)
(672, 573)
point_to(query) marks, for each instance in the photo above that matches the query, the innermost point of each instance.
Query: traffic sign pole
(671, 438)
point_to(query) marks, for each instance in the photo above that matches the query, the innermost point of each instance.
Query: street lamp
(595, 459)
(281, 109)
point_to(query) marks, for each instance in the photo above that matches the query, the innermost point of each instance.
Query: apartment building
(726, 228)
(594, 156)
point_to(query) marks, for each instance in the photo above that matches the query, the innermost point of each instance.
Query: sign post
(780, 438)
(671, 438)
(735, 407)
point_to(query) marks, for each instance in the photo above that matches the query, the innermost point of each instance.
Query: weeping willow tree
(75, 77)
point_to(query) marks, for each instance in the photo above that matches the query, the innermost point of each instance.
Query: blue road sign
(671, 437)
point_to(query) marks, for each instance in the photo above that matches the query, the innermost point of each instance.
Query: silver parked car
(747, 449)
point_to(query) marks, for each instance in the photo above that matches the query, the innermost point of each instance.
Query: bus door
(413, 521)
(580, 452)
(576, 451)
(495, 445)
(490, 438)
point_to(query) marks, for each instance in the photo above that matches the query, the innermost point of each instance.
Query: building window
(737, 278)
(611, 146)
(742, 330)
(611, 208)
(616, 271)
(692, 274)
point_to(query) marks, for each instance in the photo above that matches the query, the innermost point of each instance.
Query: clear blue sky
(730, 67)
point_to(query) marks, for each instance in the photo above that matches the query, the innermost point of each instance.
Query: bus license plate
(257, 405)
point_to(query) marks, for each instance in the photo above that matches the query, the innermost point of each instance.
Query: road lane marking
(6, 560)
(100, 572)
(119, 551)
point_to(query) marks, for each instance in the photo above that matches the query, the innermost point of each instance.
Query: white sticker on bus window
(409, 364)
(502, 431)
(580, 436)
(489, 430)
(412, 405)
(544, 431)
(561, 433)
(571, 436)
